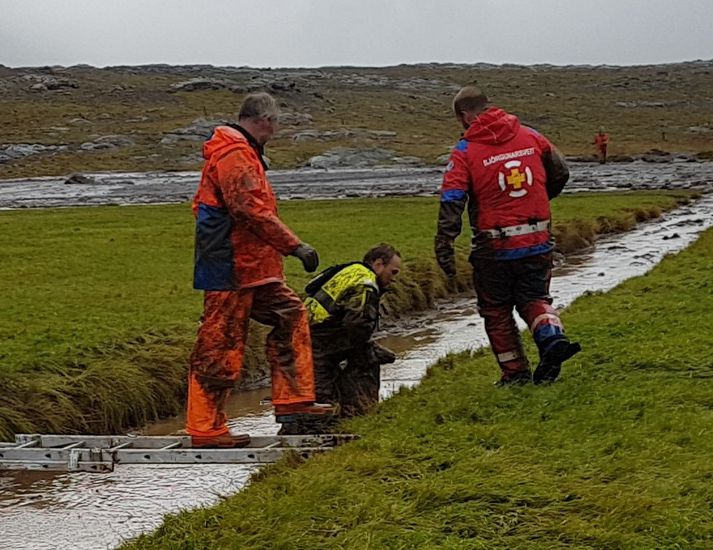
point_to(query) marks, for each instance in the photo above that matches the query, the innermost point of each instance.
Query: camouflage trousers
(349, 379)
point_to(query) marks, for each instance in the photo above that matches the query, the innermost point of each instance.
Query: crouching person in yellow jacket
(343, 310)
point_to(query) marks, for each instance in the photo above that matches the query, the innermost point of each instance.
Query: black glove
(308, 256)
(382, 355)
(445, 256)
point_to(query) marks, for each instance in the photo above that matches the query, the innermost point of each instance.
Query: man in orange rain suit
(505, 174)
(240, 244)
(601, 141)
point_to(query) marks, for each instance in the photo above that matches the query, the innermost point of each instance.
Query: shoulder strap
(320, 280)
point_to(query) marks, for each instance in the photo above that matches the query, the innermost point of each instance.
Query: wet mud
(176, 187)
(89, 511)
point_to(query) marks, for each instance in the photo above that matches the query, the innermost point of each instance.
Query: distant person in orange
(601, 140)
(240, 244)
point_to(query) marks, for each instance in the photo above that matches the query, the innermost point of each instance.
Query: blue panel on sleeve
(462, 145)
(452, 195)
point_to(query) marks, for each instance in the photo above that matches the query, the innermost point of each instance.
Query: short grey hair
(259, 105)
(469, 99)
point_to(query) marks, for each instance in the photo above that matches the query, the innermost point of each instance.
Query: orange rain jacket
(240, 240)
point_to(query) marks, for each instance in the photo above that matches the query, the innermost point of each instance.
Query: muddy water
(90, 511)
(172, 187)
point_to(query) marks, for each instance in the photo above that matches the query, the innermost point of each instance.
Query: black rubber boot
(551, 362)
(516, 379)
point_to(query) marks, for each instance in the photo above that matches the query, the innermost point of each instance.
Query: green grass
(617, 454)
(99, 315)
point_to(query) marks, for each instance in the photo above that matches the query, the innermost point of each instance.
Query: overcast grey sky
(311, 33)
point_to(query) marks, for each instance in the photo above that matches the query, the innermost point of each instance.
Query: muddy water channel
(90, 511)
(173, 187)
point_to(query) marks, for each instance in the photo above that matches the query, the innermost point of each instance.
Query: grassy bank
(99, 315)
(617, 454)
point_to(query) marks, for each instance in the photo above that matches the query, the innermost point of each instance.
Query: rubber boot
(555, 353)
(518, 378)
(287, 413)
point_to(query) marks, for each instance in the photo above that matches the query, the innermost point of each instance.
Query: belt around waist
(516, 230)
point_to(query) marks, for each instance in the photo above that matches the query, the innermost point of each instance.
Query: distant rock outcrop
(17, 151)
(44, 82)
(195, 84)
(341, 133)
(107, 142)
(342, 157)
(295, 119)
(199, 130)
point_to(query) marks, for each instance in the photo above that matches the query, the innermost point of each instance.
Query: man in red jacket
(506, 174)
(240, 244)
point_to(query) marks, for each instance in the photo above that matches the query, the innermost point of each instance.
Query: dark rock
(80, 179)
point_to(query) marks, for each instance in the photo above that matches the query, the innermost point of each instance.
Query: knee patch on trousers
(215, 383)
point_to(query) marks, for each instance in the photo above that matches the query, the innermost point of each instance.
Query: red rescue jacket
(240, 240)
(509, 172)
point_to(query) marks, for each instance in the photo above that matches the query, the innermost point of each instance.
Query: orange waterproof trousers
(217, 357)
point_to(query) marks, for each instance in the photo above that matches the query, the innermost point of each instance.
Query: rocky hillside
(58, 120)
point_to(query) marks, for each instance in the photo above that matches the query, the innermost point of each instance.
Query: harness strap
(326, 301)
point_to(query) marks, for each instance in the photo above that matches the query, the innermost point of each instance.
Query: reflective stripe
(326, 301)
(516, 230)
(542, 317)
(507, 356)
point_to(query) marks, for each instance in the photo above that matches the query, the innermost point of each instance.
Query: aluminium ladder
(100, 453)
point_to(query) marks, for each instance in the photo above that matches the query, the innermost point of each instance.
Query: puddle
(174, 187)
(90, 511)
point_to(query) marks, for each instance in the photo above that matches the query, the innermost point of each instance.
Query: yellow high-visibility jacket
(345, 297)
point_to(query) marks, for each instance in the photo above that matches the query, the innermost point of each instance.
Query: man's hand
(308, 256)
(382, 355)
(445, 255)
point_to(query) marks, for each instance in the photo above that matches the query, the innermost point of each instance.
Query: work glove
(445, 256)
(308, 256)
(382, 355)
